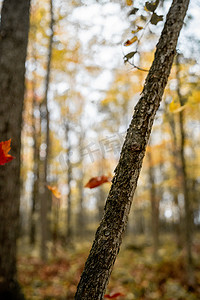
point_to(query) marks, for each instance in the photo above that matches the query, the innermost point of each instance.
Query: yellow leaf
(173, 106)
(129, 2)
(194, 98)
(138, 29)
(131, 41)
(54, 191)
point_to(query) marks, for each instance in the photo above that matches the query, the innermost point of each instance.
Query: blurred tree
(185, 182)
(154, 204)
(69, 179)
(45, 195)
(13, 47)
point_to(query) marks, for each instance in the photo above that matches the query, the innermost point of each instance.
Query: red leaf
(96, 181)
(4, 149)
(113, 296)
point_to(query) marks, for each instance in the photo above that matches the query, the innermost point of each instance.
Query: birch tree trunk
(13, 48)
(108, 237)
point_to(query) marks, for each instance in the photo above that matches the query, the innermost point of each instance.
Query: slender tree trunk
(81, 212)
(69, 179)
(176, 165)
(36, 159)
(55, 225)
(101, 193)
(188, 219)
(178, 230)
(45, 197)
(108, 237)
(13, 48)
(154, 208)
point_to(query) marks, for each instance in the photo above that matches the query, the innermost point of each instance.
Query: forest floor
(136, 274)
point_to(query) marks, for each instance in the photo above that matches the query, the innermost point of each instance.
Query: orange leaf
(96, 181)
(131, 41)
(4, 149)
(54, 191)
(113, 296)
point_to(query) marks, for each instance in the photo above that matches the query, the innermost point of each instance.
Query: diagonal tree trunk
(13, 48)
(108, 237)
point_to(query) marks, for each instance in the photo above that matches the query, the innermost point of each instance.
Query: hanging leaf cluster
(151, 7)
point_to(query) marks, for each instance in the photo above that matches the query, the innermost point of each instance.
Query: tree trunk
(13, 48)
(45, 196)
(176, 166)
(154, 208)
(108, 237)
(36, 158)
(81, 210)
(101, 196)
(69, 179)
(185, 188)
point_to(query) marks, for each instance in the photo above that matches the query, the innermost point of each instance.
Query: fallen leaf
(113, 296)
(4, 149)
(96, 181)
(54, 191)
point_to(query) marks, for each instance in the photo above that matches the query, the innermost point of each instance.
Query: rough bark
(108, 237)
(45, 197)
(13, 47)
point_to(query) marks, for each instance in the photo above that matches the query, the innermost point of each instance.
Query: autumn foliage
(114, 296)
(54, 191)
(4, 149)
(97, 181)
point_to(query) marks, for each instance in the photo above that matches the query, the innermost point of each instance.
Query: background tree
(13, 46)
